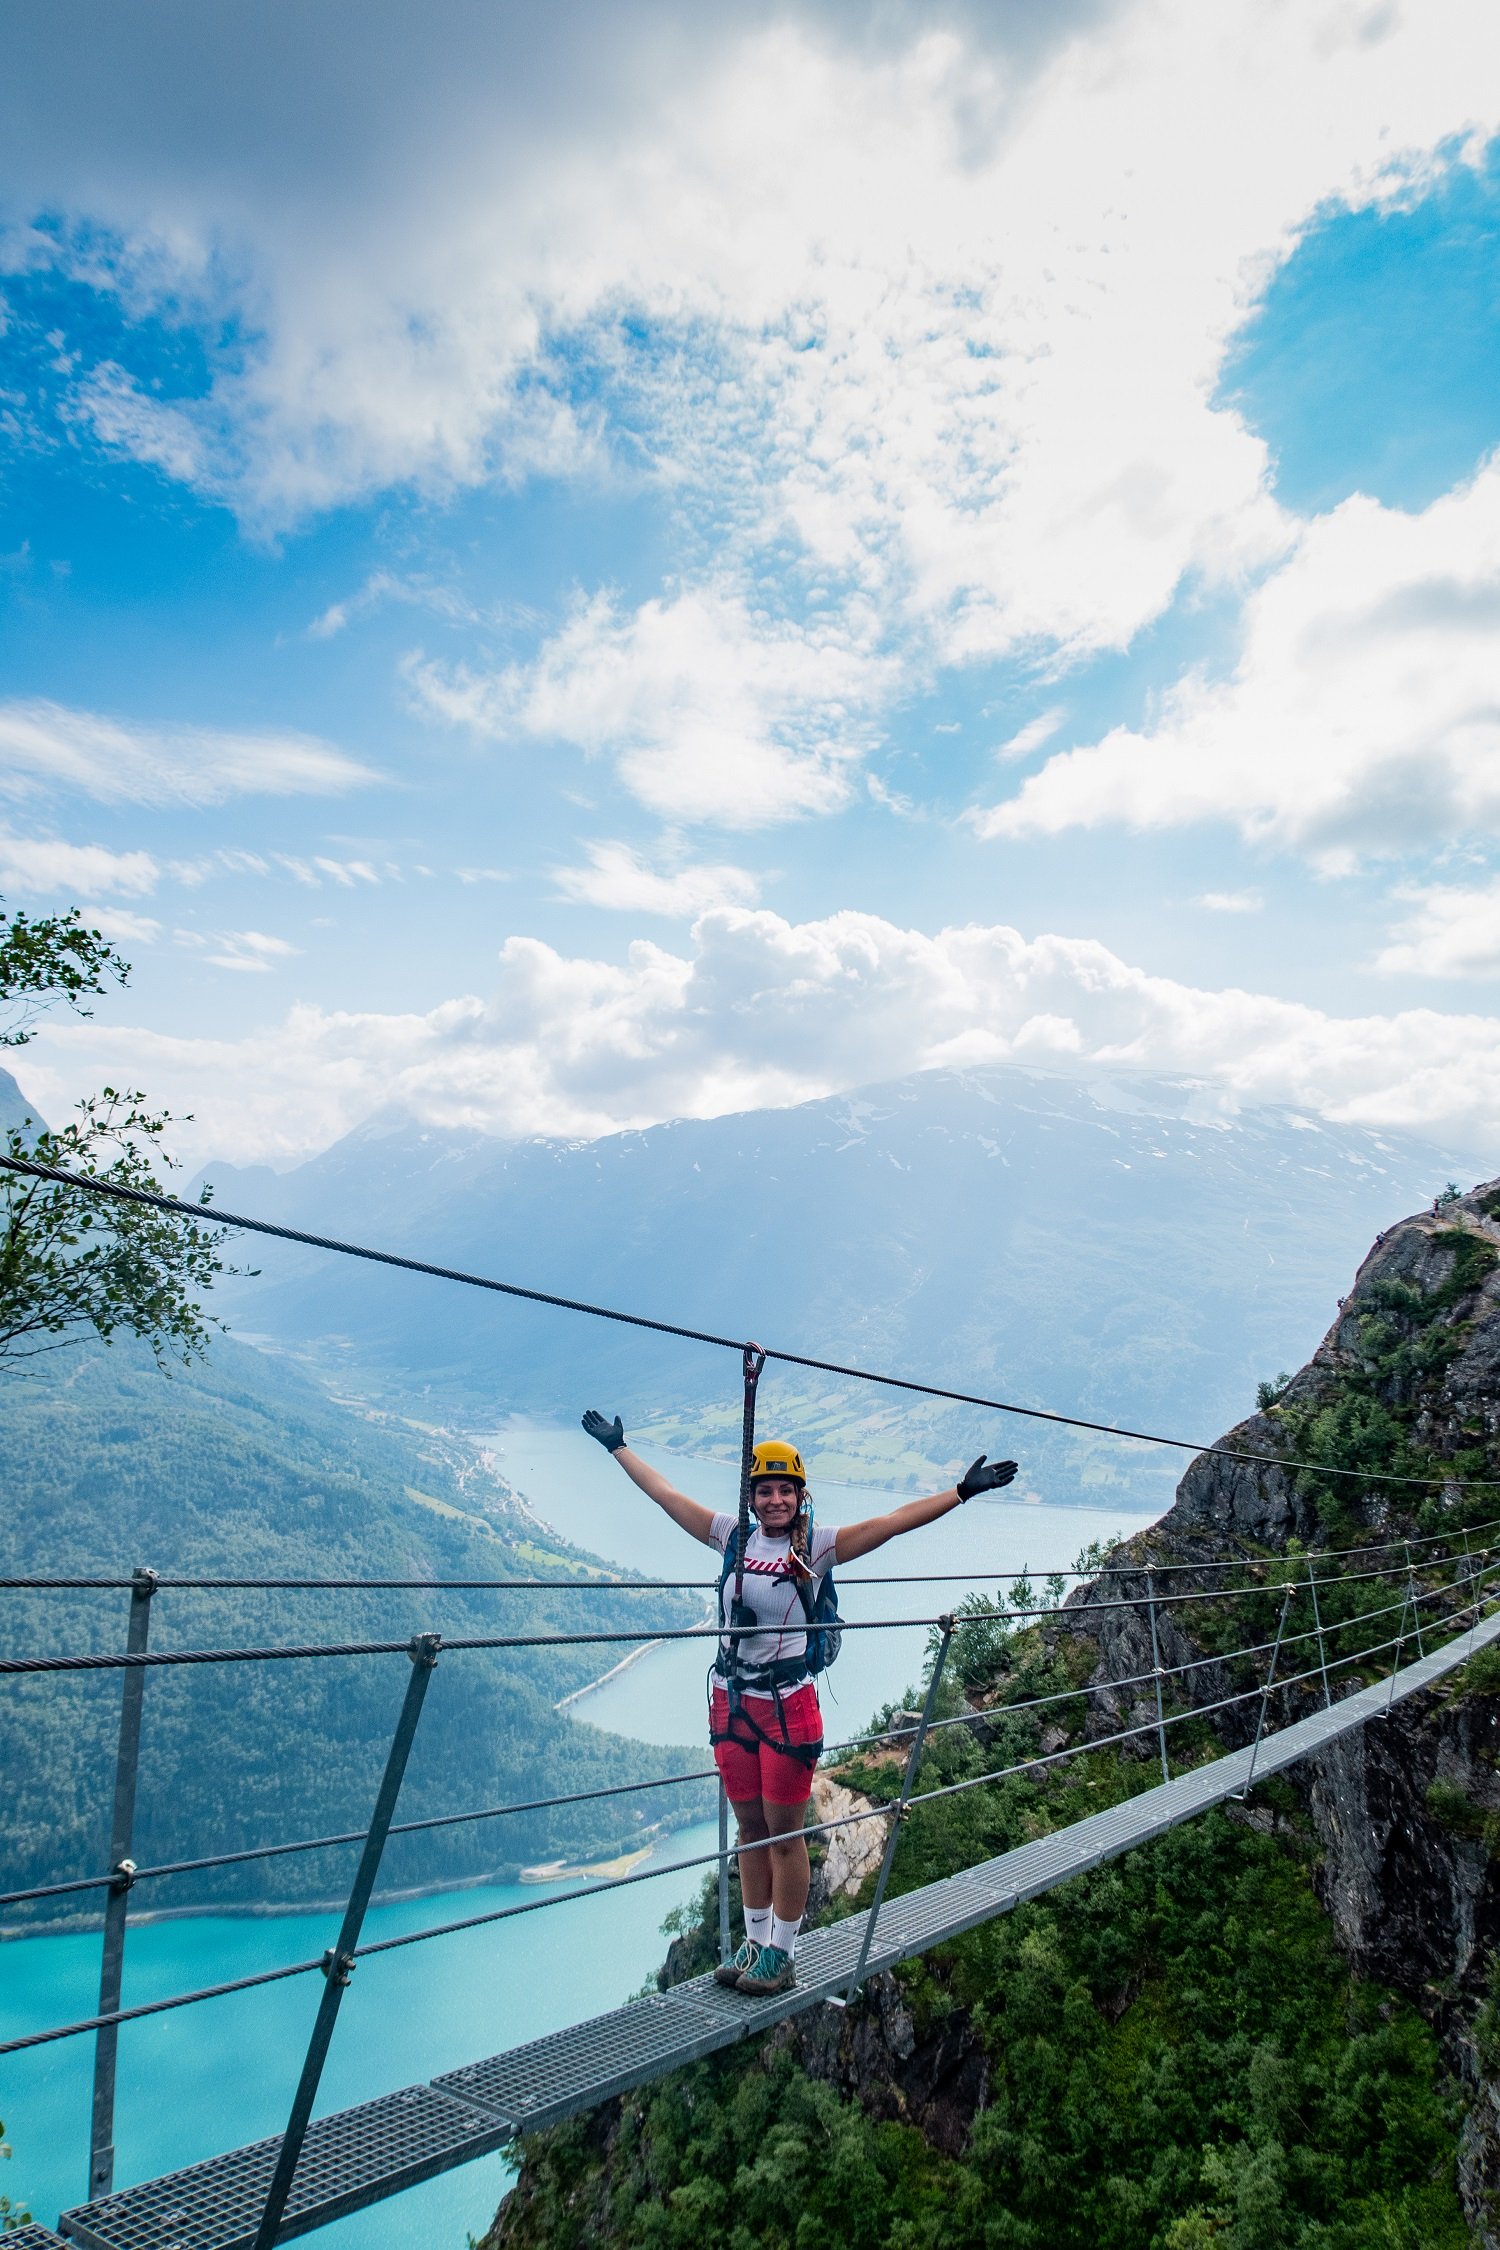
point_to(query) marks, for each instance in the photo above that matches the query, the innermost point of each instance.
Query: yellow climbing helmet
(773, 1457)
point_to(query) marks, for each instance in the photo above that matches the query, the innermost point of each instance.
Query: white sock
(758, 1924)
(784, 1934)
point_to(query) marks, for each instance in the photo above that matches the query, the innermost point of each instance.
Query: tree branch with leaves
(47, 958)
(72, 1261)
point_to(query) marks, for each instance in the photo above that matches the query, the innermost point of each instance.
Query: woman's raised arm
(856, 1539)
(693, 1517)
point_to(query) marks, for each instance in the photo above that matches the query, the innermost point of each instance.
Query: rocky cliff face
(1406, 1812)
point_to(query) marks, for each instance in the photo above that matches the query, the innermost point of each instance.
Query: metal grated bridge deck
(358, 2156)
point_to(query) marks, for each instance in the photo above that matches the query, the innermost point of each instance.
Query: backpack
(825, 1632)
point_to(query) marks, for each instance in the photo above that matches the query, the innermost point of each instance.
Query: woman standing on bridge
(764, 1720)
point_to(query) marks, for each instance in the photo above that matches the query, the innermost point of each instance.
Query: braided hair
(801, 1533)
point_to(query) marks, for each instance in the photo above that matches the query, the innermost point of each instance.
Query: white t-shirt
(771, 1594)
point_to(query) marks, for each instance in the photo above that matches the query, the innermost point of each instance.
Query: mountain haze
(15, 1110)
(1122, 1247)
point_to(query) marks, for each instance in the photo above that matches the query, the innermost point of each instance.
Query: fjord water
(659, 1697)
(198, 2080)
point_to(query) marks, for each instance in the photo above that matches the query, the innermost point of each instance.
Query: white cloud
(892, 800)
(44, 744)
(251, 951)
(126, 929)
(710, 712)
(1363, 716)
(938, 303)
(1031, 737)
(1453, 932)
(130, 421)
(624, 879)
(347, 873)
(227, 860)
(760, 1010)
(45, 866)
(386, 586)
(1231, 902)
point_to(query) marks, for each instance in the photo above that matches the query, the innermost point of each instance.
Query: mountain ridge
(1111, 1245)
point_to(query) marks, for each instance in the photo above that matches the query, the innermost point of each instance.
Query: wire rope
(205, 1214)
(587, 1585)
(105, 1660)
(707, 1859)
(890, 1735)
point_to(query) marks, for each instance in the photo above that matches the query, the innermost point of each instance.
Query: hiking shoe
(770, 1971)
(730, 1972)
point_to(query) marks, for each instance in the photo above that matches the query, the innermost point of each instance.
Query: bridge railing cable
(890, 1735)
(1042, 1760)
(117, 1660)
(602, 1585)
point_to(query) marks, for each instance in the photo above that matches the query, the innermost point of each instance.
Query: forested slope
(243, 1468)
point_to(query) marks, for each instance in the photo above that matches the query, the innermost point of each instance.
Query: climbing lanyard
(736, 1672)
(753, 1360)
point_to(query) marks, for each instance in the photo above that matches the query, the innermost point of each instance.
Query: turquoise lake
(210, 2077)
(202, 2079)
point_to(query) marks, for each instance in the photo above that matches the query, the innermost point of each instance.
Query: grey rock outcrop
(1406, 1811)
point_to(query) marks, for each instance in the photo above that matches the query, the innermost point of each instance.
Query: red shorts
(750, 1768)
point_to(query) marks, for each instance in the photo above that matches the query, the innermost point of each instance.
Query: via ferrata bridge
(322, 2168)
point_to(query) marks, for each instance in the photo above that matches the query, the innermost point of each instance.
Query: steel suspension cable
(206, 1215)
(157, 1659)
(707, 1859)
(601, 1585)
(891, 1735)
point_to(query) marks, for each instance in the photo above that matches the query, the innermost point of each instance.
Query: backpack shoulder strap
(827, 1592)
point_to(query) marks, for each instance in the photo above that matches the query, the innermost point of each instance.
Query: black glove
(984, 1476)
(611, 1435)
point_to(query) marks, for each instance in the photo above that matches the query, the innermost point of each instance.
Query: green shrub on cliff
(1365, 1421)
(12, 2216)
(1178, 2058)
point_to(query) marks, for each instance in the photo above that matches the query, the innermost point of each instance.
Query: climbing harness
(824, 1639)
(730, 1665)
(825, 1627)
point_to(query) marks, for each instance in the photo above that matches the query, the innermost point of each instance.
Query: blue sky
(559, 574)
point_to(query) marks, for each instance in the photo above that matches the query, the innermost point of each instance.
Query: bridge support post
(1396, 1660)
(122, 1875)
(1312, 1587)
(724, 1945)
(1411, 1589)
(1474, 1569)
(1161, 1723)
(1265, 1696)
(898, 1813)
(339, 1961)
